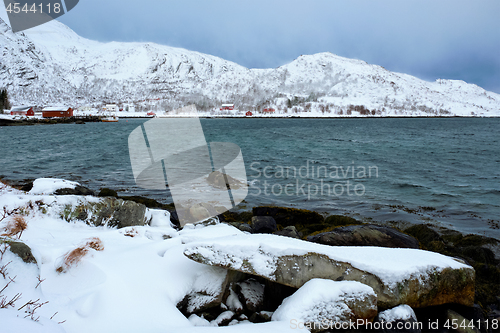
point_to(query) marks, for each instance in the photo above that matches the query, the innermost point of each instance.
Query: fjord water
(443, 171)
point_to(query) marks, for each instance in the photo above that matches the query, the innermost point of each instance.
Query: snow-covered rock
(208, 290)
(51, 185)
(398, 276)
(324, 304)
(252, 293)
(132, 285)
(399, 319)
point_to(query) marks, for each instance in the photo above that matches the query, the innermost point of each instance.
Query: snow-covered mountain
(51, 64)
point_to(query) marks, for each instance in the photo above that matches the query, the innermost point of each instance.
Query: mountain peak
(52, 64)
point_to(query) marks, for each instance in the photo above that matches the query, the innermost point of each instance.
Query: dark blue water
(440, 171)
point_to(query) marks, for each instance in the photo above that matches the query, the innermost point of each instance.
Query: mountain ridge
(52, 64)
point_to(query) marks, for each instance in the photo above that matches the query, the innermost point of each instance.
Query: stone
(223, 319)
(218, 180)
(290, 231)
(78, 190)
(261, 317)
(201, 211)
(401, 319)
(289, 216)
(107, 192)
(340, 220)
(208, 291)
(428, 237)
(252, 294)
(20, 249)
(241, 226)
(399, 276)
(327, 305)
(107, 211)
(365, 235)
(463, 325)
(263, 224)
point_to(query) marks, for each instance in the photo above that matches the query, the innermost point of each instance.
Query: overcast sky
(451, 39)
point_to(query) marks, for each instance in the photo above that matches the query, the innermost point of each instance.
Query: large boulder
(398, 276)
(365, 235)
(107, 211)
(263, 224)
(329, 305)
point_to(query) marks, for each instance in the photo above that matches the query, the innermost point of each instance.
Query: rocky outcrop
(365, 235)
(329, 305)
(398, 276)
(107, 211)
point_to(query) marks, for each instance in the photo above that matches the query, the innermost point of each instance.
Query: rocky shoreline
(298, 250)
(48, 121)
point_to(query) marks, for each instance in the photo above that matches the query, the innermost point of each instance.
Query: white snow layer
(132, 285)
(262, 251)
(50, 185)
(401, 312)
(319, 299)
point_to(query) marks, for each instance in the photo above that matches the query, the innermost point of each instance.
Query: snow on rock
(199, 321)
(398, 276)
(233, 302)
(50, 185)
(401, 312)
(320, 304)
(208, 290)
(401, 319)
(133, 285)
(223, 319)
(253, 293)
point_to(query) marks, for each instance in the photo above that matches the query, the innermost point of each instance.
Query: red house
(248, 114)
(269, 110)
(227, 107)
(22, 111)
(57, 111)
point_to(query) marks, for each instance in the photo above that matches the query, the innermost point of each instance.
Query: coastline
(74, 205)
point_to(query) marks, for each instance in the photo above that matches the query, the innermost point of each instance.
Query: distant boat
(109, 119)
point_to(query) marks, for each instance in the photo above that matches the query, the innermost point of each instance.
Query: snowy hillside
(52, 64)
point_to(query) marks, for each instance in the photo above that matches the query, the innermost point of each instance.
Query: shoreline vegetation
(479, 293)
